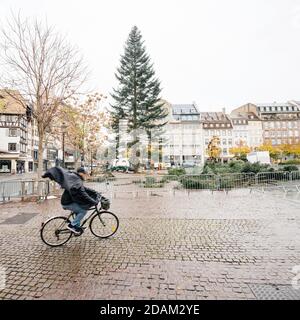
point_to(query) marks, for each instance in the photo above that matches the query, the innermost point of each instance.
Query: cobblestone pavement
(201, 246)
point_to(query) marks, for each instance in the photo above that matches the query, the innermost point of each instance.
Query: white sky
(218, 53)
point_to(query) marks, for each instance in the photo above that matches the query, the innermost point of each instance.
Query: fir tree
(137, 98)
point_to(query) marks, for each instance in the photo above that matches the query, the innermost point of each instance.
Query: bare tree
(85, 123)
(42, 67)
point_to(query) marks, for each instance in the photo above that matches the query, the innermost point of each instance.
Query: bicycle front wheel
(104, 224)
(54, 231)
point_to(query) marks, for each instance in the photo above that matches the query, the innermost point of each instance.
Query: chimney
(224, 110)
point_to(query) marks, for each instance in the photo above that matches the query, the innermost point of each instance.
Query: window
(9, 118)
(12, 147)
(224, 141)
(230, 142)
(13, 133)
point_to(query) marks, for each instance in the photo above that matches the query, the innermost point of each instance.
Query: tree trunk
(135, 154)
(40, 164)
(91, 163)
(117, 145)
(160, 148)
(40, 154)
(149, 147)
(76, 159)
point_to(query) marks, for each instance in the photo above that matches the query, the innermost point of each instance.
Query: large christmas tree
(137, 97)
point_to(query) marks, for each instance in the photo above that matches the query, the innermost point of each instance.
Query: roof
(244, 116)
(9, 105)
(214, 117)
(278, 107)
(184, 109)
(273, 104)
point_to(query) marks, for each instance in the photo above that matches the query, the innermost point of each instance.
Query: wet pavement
(201, 245)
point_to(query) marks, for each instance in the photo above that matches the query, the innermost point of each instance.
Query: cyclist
(76, 197)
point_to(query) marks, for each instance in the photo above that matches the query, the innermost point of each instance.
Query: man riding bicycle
(76, 196)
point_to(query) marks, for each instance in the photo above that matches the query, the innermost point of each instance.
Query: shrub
(290, 168)
(255, 167)
(197, 183)
(293, 161)
(151, 182)
(176, 171)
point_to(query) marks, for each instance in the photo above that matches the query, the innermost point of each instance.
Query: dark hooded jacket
(75, 191)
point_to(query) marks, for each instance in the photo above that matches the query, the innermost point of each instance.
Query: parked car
(188, 164)
(122, 165)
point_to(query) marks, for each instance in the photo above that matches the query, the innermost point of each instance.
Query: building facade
(247, 126)
(281, 123)
(15, 129)
(183, 137)
(271, 123)
(19, 140)
(217, 124)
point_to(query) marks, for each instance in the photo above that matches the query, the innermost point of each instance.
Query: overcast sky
(217, 53)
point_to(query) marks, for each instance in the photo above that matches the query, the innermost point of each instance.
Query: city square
(149, 151)
(205, 245)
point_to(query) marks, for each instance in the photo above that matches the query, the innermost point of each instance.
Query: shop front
(5, 166)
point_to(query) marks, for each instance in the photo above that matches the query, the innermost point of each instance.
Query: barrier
(156, 184)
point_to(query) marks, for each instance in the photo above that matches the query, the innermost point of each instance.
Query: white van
(121, 164)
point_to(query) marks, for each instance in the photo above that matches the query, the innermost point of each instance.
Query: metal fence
(26, 188)
(166, 183)
(136, 185)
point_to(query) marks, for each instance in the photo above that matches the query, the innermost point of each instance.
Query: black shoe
(74, 229)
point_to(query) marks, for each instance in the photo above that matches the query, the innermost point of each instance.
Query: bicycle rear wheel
(54, 231)
(104, 224)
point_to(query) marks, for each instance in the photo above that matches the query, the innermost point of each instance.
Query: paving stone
(198, 247)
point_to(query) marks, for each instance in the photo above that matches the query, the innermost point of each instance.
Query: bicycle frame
(89, 216)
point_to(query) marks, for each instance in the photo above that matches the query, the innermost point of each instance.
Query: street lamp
(63, 129)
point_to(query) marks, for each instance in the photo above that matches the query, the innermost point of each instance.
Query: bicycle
(103, 224)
